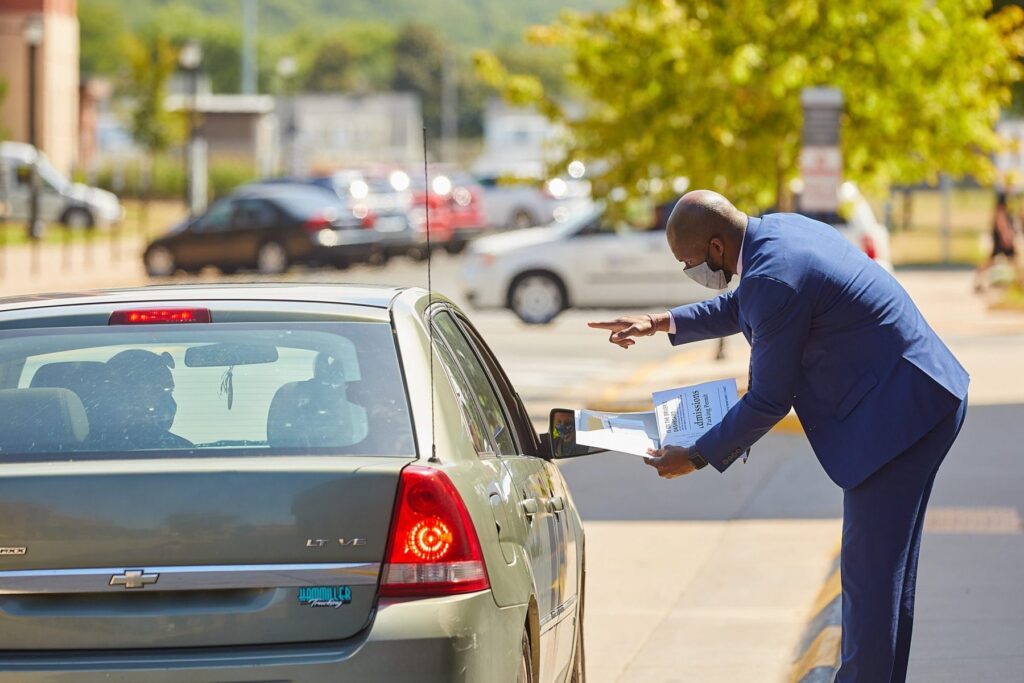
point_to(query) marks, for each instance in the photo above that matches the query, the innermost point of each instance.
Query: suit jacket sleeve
(780, 319)
(717, 317)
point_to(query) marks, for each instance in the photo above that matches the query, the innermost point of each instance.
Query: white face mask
(703, 275)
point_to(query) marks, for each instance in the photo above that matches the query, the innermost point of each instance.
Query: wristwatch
(696, 459)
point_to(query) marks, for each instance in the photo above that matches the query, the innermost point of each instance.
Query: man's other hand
(670, 461)
(624, 329)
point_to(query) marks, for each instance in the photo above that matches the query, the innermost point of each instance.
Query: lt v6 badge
(323, 542)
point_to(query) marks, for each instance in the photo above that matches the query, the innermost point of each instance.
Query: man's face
(711, 252)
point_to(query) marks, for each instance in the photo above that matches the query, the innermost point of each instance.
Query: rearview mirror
(561, 437)
(227, 354)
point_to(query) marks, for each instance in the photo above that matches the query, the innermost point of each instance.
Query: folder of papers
(679, 418)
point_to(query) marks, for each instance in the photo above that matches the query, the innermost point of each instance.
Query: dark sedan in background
(268, 227)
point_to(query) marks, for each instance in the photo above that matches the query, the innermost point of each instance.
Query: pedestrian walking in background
(1002, 245)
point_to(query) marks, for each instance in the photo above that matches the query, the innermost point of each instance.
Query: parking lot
(679, 571)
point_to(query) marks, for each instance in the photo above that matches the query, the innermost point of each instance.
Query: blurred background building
(53, 26)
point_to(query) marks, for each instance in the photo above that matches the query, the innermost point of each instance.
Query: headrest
(329, 369)
(89, 376)
(41, 420)
(309, 414)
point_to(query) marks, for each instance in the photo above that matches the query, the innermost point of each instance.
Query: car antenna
(430, 299)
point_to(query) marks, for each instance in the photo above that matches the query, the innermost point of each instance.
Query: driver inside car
(144, 389)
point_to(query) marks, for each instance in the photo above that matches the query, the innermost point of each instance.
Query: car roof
(353, 294)
(274, 189)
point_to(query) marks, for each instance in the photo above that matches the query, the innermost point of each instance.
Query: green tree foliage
(102, 27)
(468, 23)
(332, 68)
(151, 61)
(710, 89)
(419, 55)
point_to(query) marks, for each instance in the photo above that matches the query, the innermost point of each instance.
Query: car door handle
(556, 504)
(530, 507)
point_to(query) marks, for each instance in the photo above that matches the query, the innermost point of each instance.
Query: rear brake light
(868, 245)
(368, 220)
(150, 316)
(433, 549)
(317, 223)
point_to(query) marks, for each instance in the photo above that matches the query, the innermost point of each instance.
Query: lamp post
(286, 69)
(33, 38)
(190, 58)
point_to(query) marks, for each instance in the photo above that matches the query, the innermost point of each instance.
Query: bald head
(702, 224)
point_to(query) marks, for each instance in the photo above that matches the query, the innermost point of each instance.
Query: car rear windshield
(203, 390)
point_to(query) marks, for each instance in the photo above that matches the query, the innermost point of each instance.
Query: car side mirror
(560, 441)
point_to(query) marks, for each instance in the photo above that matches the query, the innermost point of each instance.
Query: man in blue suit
(880, 397)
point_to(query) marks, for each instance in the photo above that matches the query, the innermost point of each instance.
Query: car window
(470, 410)
(519, 418)
(209, 389)
(494, 421)
(252, 214)
(216, 218)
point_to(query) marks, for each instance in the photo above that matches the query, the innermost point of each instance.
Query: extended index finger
(607, 324)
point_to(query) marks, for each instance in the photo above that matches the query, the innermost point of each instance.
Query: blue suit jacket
(833, 335)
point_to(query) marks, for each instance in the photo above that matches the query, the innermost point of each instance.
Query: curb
(818, 655)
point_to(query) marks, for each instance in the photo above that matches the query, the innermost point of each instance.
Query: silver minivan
(60, 200)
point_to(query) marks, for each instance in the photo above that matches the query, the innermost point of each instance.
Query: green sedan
(276, 483)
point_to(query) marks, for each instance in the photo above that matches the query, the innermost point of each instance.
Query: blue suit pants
(882, 526)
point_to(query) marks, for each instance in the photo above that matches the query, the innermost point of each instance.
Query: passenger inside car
(142, 386)
(316, 412)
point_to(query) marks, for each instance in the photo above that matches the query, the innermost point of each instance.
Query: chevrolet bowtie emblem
(134, 578)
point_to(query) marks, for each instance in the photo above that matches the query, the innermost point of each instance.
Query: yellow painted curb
(822, 648)
(822, 653)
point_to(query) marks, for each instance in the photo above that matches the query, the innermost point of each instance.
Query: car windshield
(52, 176)
(319, 388)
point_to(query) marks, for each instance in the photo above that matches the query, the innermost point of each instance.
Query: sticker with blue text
(325, 596)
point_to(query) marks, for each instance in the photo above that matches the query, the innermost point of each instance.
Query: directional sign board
(821, 162)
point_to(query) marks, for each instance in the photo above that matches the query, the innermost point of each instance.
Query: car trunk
(191, 552)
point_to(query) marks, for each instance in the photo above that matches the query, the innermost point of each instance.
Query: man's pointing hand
(623, 329)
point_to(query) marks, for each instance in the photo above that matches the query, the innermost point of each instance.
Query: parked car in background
(516, 204)
(268, 227)
(456, 203)
(857, 222)
(60, 200)
(253, 483)
(381, 202)
(590, 261)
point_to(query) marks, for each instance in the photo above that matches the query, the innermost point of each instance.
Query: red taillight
(868, 244)
(317, 223)
(368, 220)
(433, 549)
(150, 316)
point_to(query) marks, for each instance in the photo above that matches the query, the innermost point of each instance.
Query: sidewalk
(81, 265)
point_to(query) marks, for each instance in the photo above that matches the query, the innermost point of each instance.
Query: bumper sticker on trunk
(325, 596)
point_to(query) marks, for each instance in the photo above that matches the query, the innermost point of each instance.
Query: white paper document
(679, 418)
